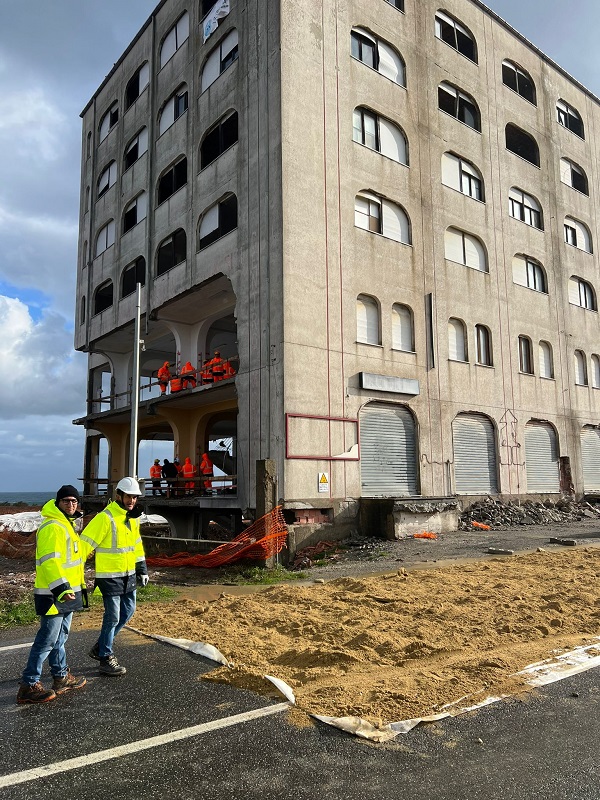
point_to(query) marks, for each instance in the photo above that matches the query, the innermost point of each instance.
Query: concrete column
(266, 486)
(118, 441)
(121, 372)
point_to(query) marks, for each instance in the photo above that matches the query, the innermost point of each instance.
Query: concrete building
(384, 214)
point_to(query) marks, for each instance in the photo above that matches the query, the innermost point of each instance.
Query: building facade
(383, 214)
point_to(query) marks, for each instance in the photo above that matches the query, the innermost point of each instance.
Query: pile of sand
(402, 645)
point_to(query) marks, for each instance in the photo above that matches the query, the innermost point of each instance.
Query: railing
(175, 488)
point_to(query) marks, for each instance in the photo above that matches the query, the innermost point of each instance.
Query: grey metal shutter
(590, 458)
(474, 442)
(541, 458)
(388, 453)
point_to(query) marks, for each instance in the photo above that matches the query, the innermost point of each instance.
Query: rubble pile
(499, 515)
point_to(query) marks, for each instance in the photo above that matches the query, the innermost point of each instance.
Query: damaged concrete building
(384, 215)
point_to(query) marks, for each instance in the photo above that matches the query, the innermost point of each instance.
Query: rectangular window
(367, 214)
(525, 359)
(220, 139)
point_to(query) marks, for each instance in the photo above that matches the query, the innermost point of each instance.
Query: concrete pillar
(266, 486)
(121, 372)
(118, 440)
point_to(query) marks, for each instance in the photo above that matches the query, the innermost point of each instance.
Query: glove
(144, 579)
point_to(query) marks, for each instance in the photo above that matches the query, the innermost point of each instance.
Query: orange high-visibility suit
(206, 468)
(164, 376)
(188, 376)
(189, 472)
(217, 366)
(156, 474)
(229, 370)
(176, 384)
(206, 374)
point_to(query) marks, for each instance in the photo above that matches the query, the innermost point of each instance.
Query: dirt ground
(444, 620)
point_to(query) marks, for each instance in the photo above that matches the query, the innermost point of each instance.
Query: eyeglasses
(70, 500)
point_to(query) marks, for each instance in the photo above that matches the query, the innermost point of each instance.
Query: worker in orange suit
(188, 376)
(156, 474)
(206, 468)
(206, 374)
(164, 376)
(217, 366)
(229, 371)
(189, 473)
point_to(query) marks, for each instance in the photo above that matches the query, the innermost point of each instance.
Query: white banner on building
(217, 12)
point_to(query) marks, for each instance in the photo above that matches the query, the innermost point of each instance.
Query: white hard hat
(129, 486)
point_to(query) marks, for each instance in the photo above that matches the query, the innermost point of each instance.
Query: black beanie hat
(67, 491)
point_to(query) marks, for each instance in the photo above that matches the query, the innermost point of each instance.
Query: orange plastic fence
(263, 539)
(16, 545)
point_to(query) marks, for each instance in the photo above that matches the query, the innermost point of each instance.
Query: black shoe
(94, 652)
(67, 682)
(110, 666)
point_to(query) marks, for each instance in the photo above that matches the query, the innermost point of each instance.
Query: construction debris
(498, 515)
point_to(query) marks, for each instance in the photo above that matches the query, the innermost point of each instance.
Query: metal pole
(135, 388)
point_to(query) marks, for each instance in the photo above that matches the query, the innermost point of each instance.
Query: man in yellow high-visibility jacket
(114, 534)
(59, 590)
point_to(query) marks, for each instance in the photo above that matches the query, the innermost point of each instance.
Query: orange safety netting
(263, 539)
(16, 545)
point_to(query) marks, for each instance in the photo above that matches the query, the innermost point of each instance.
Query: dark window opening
(219, 139)
(172, 180)
(453, 34)
(227, 221)
(113, 116)
(131, 155)
(171, 252)
(103, 298)
(458, 105)
(228, 58)
(132, 275)
(205, 7)
(523, 145)
(518, 80)
(133, 88)
(181, 104)
(365, 50)
(569, 118)
(399, 4)
(579, 181)
(82, 311)
(130, 218)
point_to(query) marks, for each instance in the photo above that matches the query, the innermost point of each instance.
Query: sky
(53, 56)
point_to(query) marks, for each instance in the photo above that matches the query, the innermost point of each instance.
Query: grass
(260, 576)
(22, 612)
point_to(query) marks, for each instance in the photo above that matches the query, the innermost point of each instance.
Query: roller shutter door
(388, 453)
(541, 458)
(590, 459)
(474, 442)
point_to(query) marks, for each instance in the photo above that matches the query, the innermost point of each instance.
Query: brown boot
(34, 694)
(68, 681)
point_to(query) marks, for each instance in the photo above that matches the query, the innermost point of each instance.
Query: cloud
(42, 375)
(32, 124)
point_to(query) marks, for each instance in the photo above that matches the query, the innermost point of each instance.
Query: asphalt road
(545, 748)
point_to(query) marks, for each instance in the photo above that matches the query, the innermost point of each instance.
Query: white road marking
(135, 747)
(15, 646)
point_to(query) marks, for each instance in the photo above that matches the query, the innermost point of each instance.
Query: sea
(27, 498)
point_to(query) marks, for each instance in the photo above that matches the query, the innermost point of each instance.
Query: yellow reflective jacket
(119, 549)
(58, 563)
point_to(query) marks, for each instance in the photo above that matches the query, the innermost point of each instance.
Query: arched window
(367, 320)
(458, 104)
(175, 106)
(518, 80)
(108, 121)
(105, 238)
(399, 4)
(219, 139)
(581, 378)
(457, 340)
(132, 275)
(135, 212)
(82, 310)
(460, 174)
(525, 355)
(402, 328)
(172, 180)
(573, 175)
(522, 144)
(171, 251)
(577, 234)
(595, 371)
(178, 34)
(108, 178)
(88, 146)
(380, 215)
(136, 148)
(581, 293)
(529, 273)
(378, 55)
(103, 297)
(465, 249)
(456, 35)
(483, 346)
(217, 221)
(219, 59)
(378, 133)
(525, 208)
(546, 360)
(137, 84)
(569, 118)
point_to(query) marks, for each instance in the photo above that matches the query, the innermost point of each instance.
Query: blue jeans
(49, 643)
(118, 610)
